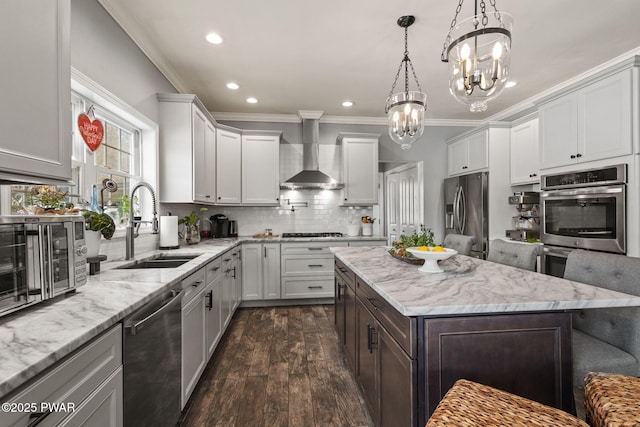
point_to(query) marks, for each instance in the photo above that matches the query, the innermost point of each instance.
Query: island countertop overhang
(469, 286)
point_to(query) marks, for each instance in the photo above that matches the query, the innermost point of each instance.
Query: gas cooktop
(321, 234)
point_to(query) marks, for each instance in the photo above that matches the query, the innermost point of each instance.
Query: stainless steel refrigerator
(466, 209)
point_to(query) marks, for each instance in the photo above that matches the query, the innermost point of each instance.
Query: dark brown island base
(408, 336)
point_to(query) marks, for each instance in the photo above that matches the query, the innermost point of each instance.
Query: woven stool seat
(612, 400)
(469, 404)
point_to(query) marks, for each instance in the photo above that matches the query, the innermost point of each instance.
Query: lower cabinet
(307, 270)
(88, 382)
(260, 271)
(193, 333)
(345, 311)
(231, 284)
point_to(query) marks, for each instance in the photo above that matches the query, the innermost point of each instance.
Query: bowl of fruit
(431, 256)
(399, 248)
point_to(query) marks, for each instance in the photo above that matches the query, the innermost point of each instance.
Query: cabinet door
(360, 171)
(524, 153)
(478, 151)
(227, 290)
(339, 286)
(261, 170)
(236, 268)
(366, 365)
(35, 113)
(198, 127)
(350, 328)
(457, 157)
(228, 167)
(558, 132)
(193, 345)
(270, 270)
(252, 271)
(397, 382)
(604, 118)
(213, 314)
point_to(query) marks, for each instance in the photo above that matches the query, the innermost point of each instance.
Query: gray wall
(102, 51)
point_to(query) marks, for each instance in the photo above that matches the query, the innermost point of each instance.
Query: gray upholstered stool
(605, 340)
(519, 255)
(459, 242)
(468, 404)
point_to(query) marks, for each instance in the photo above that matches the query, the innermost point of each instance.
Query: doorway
(404, 200)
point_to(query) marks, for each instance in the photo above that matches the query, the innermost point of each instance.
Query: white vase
(92, 241)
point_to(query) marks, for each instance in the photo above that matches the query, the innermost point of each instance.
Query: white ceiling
(311, 55)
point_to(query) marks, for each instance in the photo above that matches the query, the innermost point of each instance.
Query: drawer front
(309, 248)
(307, 287)
(401, 328)
(345, 272)
(72, 380)
(192, 285)
(306, 265)
(213, 269)
(368, 243)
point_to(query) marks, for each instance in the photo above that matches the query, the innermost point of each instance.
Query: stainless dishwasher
(152, 362)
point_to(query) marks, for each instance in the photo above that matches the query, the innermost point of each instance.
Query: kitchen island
(409, 336)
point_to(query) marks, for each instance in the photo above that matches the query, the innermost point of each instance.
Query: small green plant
(425, 238)
(191, 219)
(48, 196)
(99, 222)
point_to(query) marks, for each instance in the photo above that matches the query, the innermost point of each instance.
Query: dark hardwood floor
(278, 366)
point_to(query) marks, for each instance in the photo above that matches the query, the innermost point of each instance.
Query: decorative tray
(414, 261)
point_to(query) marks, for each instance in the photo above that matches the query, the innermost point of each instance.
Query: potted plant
(97, 225)
(191, 229)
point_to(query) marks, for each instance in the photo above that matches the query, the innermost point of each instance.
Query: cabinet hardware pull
(234, 272)
(196, 283)
(38, 417)
(226, 259)
(315, 265)
(371, 301)
(340, 288)
(215, 268)
(265, 252)
(314, 287)
(210, 302)
(315, 249)
(578, 155)
(374, 344)
(369, 338)
(342, 269)
(573, 156)
(464, 167)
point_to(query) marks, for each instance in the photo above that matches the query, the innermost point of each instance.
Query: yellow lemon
(438, 249)
(423, 248)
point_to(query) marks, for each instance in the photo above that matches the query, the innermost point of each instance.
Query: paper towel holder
(164, 237)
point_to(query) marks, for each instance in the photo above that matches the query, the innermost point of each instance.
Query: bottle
(94, 200)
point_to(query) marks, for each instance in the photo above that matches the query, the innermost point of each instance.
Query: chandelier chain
(447, 40)
(407, 62)
(483, 8)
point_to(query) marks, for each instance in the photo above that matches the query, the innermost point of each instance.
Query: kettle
(233, 228)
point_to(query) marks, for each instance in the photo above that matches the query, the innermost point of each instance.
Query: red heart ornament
(92, 131)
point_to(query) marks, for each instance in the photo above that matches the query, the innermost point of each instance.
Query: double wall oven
(582, 210)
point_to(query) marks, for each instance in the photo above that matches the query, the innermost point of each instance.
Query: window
(114, 167)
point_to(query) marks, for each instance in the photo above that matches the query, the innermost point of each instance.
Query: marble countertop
(472, 286)
(34, 339)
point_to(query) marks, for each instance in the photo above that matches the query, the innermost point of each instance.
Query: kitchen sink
(159, 261)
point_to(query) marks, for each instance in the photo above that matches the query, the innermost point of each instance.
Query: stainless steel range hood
(311, 177)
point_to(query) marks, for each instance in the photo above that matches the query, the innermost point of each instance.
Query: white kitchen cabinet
(261, 168)
(468, 154)
(90, 379)
(359, 168)
(260, 271)
(591, 123)
(236, 268)
(524, 153)
(213, 306)
(307, 269)
(187, 150)
(231, 284)
(193, 333)
(35, 112)
(228, 166)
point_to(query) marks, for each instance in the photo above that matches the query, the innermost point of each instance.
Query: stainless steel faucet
(133, 222)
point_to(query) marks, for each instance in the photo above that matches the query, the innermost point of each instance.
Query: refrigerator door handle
(456, 214)
(463, 211)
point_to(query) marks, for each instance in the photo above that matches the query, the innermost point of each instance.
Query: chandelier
(478, 50)
(405, 110)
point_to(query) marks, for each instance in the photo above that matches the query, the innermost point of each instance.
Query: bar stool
(469, 404)
(519, 255)
(459, 242)
(611, 399)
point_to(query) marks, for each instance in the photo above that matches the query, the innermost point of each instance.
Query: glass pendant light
(478, 50)
(405, 110)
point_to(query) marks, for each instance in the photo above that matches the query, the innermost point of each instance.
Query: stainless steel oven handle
(140, 324)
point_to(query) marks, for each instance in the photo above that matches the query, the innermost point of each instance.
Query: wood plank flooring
(278, 366)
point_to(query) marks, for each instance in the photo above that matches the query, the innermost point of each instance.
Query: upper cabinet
(187, 150)
(359, 168)
(228, 166)
(35, 112)
(591, 123)
(469, 154)
(261, 168)
(524, 153)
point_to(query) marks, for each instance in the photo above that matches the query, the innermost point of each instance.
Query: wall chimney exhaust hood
(310, 177)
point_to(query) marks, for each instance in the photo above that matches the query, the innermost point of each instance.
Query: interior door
(404, 200)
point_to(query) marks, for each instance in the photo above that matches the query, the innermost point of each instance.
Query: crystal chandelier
(405, 110)
(478, 50)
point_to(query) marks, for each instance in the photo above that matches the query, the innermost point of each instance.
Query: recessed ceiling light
(347, 104)
(252, 100)
(232, 85)
(214, 38)
(510, 83)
